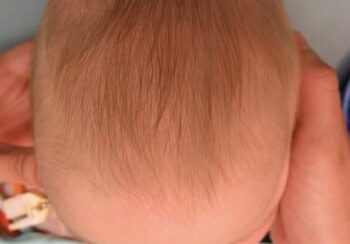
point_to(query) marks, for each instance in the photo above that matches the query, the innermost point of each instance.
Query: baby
(159, 121)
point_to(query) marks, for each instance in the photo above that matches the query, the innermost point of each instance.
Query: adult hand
(17, 161)
(15, 113)
(316, 204)
(16, 141)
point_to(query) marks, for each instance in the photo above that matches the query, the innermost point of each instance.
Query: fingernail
(301, 41)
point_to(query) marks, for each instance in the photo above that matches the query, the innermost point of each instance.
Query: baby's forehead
(170, 109)
(184, 102)
(251, 200)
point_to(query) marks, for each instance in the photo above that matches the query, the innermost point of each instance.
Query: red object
(6, 191)
(4, 225)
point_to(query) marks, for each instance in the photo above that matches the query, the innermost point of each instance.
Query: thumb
(17, 165)
(320, 113)
(18, 59)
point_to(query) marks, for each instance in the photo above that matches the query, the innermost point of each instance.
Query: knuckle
(324, 75)
(325, 72)
(17, 164)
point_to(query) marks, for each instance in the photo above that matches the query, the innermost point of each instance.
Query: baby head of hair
(164, 121)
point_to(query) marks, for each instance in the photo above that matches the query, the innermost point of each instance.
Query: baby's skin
(315, 205)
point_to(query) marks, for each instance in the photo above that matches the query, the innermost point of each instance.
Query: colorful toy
(20, 210)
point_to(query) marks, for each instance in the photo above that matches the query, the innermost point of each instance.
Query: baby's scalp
(165, 101)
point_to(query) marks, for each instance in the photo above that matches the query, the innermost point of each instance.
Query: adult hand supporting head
(15, 112)
(16, 162)
(316, 204)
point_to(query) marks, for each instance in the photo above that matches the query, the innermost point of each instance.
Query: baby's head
(165, 121)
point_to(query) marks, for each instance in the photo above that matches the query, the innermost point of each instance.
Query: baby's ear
(17, 165)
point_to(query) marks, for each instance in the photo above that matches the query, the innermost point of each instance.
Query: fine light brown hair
(166, 97)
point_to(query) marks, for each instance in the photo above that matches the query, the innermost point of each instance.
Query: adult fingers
(320, 114)
(18, 60)
(17, 165)
(21, 136)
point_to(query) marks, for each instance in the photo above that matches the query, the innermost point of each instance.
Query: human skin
(241, 209)
(17, 164)
(15, 114)
(250, 202)
(255, 209)
(15, 119)
(332, 212)
(315, 207)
